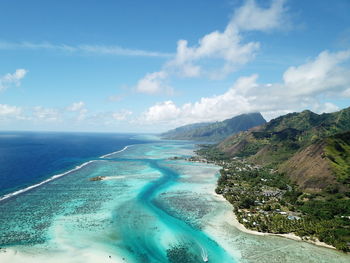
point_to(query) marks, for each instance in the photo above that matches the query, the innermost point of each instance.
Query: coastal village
(256, 205)
(265, 200)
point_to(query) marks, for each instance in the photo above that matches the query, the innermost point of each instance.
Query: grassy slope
(290, 140)
(314, 152)
(337, 151)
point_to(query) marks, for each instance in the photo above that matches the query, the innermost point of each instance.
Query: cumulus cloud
(324, 76)
(321, 74)
(252, 17)
(76, 106)
(328, 107)
(8, 111)
(14, 79)
(79, 109)
(226, 50)
(206, 109)
(154, 83)
(225, 46)
(160, 112)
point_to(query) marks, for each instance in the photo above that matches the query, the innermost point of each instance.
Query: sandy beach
(231, 218)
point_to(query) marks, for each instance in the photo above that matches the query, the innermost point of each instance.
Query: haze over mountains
(215, 131)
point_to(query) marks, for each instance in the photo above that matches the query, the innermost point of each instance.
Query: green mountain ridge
(300, 144)
(290, 175)
(215, 131)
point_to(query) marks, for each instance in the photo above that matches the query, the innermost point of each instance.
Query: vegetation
(290, 175)
(277, 140)
(267, 201)
(338, 152)
(215, 131)
(211, 153)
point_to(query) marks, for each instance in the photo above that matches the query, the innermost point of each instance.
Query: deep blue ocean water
(149, 207)
(27, 158)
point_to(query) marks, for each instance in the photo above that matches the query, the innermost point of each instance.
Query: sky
(149, 66)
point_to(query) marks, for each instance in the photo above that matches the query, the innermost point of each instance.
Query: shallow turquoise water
(151, 209)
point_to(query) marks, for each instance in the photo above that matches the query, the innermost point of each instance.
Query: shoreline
(77, 167)
(231, 217)
(96, 254)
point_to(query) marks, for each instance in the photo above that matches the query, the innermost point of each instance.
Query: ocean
(149, 207)
(27, 158)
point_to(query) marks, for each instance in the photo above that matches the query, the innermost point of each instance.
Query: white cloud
(207, 109)
(87, 49)
(71, 117)
(8, 111)
(324, 76)
(252, 17)
(346, 93)
(160, 112)
(108, 119)
(76, 106)
(226, 50)
(154, 83)
(268, 115)
(227, 46)
(121, 115)
(224, 46)
(46, 114)
(328, 107)
(13, 79)
(79, 108)
(116, 50)
(321, 74)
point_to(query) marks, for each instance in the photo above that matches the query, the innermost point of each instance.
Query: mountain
(215, 131)
(321, 164)
(312, 150)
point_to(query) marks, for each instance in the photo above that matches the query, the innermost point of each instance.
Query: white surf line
(109, 154)
(57, 176)
(44, 182)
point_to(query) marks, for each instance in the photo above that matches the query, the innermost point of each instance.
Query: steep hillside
(337, 151)
(215, 131)
(303, 176)
(323, 163)
(312, 149)
(309, 168)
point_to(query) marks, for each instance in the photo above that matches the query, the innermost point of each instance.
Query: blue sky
(133, 66)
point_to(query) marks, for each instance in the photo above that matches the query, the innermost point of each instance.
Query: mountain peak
(216, 131)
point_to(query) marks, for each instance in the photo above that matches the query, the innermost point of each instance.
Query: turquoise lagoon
(149, 208)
